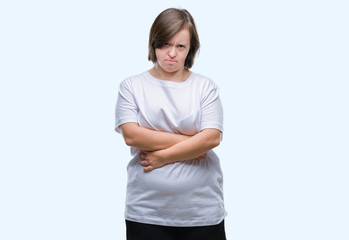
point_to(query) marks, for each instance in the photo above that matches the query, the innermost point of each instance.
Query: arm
(190, 148)
(147, 139)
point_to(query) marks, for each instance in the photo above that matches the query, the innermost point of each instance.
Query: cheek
(159, 54)
(184, 57)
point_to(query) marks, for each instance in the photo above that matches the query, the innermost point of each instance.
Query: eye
(181, 46)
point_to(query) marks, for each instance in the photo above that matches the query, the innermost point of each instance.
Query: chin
(170, 69)
(173, 68)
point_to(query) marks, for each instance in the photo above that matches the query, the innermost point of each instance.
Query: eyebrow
(184, 44)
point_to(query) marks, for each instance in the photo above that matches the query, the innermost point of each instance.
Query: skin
(171, 58)
(194, 147)
(161, 148)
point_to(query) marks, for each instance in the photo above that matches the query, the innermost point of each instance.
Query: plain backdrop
(282, 67)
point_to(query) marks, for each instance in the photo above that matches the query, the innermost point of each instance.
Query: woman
(172, 119)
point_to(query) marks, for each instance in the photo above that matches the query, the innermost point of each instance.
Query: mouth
(170, 61)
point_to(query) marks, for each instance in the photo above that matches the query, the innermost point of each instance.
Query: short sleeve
(126, 108)
(211, 108)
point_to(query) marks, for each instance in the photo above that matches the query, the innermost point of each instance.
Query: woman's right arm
(134, 135)
(147, 139)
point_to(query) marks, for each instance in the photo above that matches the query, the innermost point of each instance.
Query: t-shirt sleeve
(211, 108)
(126, 108)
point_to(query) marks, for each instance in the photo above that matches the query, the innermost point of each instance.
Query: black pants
(142, 231)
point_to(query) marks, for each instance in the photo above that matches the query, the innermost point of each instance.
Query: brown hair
(166, 25)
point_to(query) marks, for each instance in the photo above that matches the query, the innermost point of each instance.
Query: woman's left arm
(191, 148)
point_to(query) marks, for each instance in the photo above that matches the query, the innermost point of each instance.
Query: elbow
(213, 138)
(129, 141)
(130, 133)
(215, 141)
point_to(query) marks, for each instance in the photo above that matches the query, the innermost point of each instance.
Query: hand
(201, 157)
(151, 160)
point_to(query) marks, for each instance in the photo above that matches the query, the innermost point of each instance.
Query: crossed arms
(161, 148)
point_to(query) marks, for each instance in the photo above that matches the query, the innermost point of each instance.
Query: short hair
(167, 24)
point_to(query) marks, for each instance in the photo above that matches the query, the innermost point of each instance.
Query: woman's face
(171, 57)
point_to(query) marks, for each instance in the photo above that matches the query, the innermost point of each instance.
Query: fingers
(144, 162)
(143, 155)
(201, 157)
(146, 165)
(148, 169)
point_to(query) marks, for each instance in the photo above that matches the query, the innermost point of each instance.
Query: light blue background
(283, 71)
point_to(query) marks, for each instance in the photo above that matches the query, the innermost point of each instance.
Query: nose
(172, 52)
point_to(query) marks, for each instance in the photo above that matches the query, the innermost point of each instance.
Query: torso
(187, 193)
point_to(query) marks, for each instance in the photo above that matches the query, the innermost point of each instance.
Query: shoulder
(132, 82)
(203, 81)
(133, 79)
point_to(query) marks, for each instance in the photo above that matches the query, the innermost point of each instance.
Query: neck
(177, 76)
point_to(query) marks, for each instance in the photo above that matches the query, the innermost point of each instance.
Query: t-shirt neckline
(168, 82)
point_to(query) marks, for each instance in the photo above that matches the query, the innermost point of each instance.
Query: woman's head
(169, 23)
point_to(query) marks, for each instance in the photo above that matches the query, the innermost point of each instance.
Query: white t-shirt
(187, 193)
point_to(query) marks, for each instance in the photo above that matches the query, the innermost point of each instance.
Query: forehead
(183, 36)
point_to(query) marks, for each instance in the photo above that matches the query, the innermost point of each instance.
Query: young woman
(172, 119)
